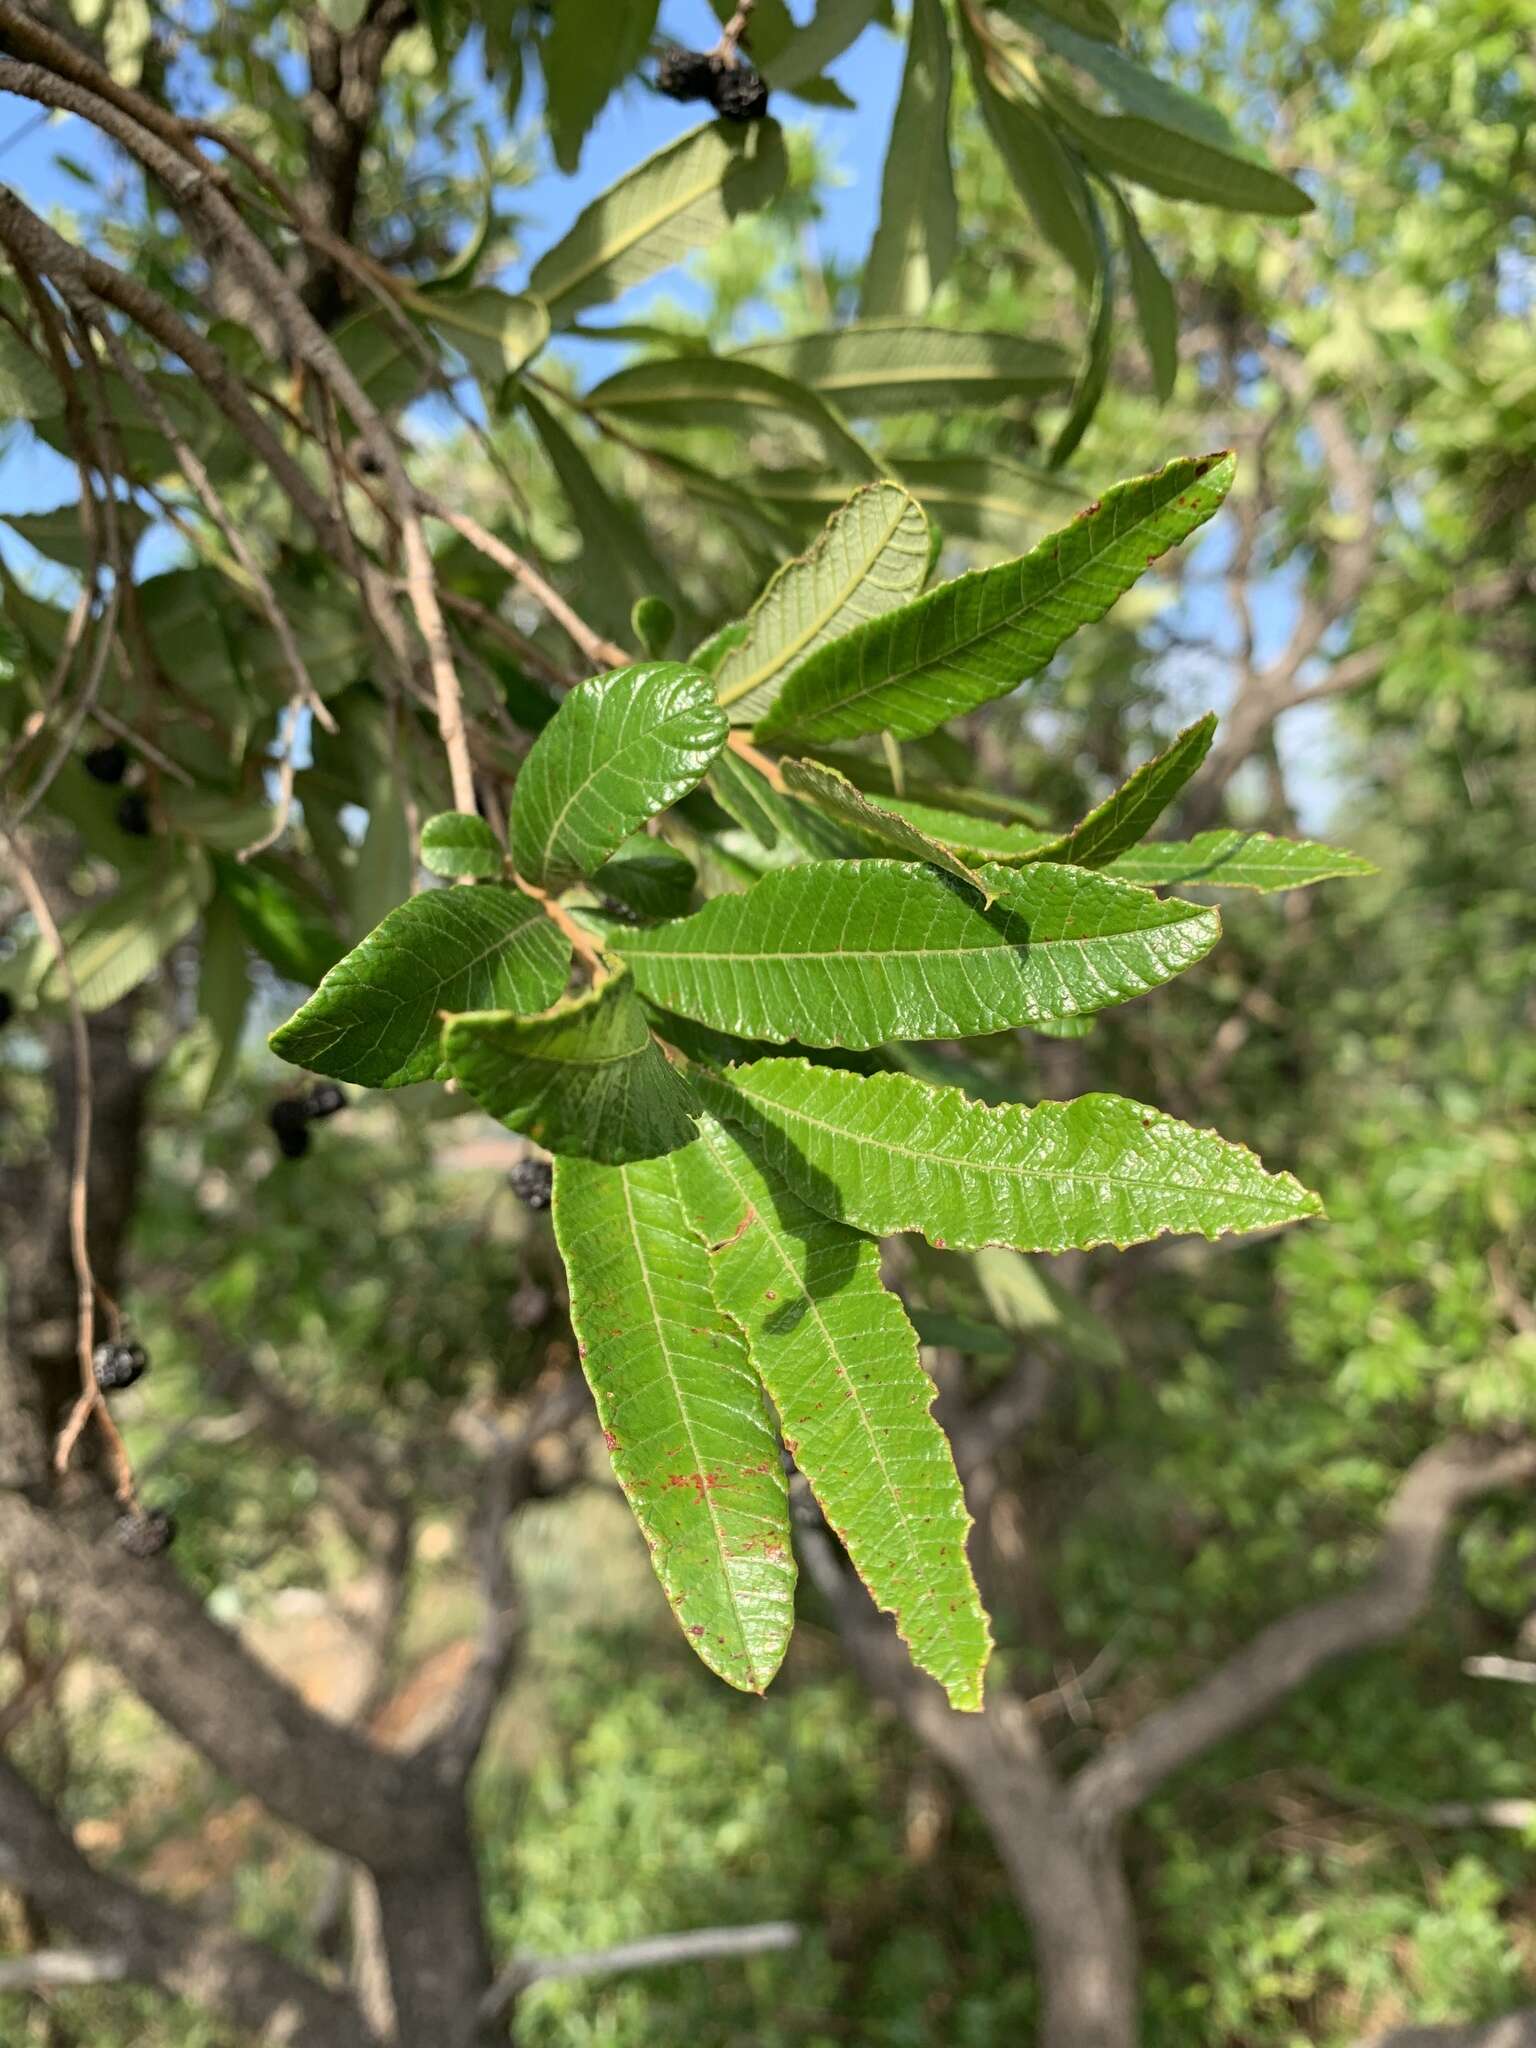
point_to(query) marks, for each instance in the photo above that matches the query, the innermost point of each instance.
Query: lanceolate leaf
(978, 637)
(1237, 860)
(376, 1017)
(587, 1077)
(1094, 374)
(974, 839)
(840, 1362)
(679, 200)
(885, 1152)
(835, 795)
(871, 557)
(1129, 815)
(620, 748)
(760, 809)
(695, 390)
(454, 843)
(899, 366)
(223, 997)
(854, 953)
(681, 1411)
(987, 497)
(914, 244)
(1157, 311)
(588, 48)
(1044, 173)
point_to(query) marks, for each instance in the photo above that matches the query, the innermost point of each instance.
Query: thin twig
(586, 948)
(656, 1952)
(769, 770)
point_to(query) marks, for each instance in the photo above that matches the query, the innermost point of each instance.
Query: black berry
(107, 764)
(685, 75)
(119, 1365)
(739, 93)
(133, 815)
(146, 1535)
(532, 1181)
(288, 1119)
(324, 1099)
(7, 1009)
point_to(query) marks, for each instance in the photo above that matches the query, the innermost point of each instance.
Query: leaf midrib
(600, 768)
(648, 224)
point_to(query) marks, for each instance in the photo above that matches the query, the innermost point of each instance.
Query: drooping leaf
(975, 839)
(1093, 374)
(120, 941)
(807, 52)
(980, 636)
(681, 199)
(376, 1017)
(282, 918)
(681, 1411)
(223, 998)
(980, 497)
(871, 556)
(836, 796)
(586, 1077)
(698, 390)
(1237, 860)
(915, 240)
(457, 843)
(589, 47)
(1044, 172)
(840, 1362)
(1157, 311)
(900, 366)
(854, 953)
(620, 748)
(1135, 807)
(887, 1153)
(496, 332)
(1162, 137)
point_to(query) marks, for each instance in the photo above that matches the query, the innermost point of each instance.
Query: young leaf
(885, 1152)
(455, 843)
(679, 200)
(376, 1017)
(900, 366)
(840, 1362)
(853, 953)
(653, 622)
(914, 243)
(620, 748)
(980, 636)
(681, 1412)
(871, 556)
(1157, 311)
(836, 796)
(1129, 815)
(1237, 860)
(587, 1077)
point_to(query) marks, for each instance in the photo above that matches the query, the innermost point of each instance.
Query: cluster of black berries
(7, 1009)
(733, 89)
(147, 1533)
(290, 1119)
(118, 1365)
(109, 764)
(533, 1182)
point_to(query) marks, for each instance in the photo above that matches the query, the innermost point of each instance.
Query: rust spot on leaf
(701, 1482)
(610, 1440)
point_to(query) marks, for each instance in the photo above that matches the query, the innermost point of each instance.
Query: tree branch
(252, 1987)
(654, 1952)
(1291, 1651)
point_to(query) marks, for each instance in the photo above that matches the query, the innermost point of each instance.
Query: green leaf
(1157, 311)
(901, 366)
(1164, 137)
(587, 1077)
(760, 809)
(588, 49)
(60, 534)
(979, 497)
(1027, 1300)
(975, 839)
(1129, 815)
(626, 567)
(857, 952)
(1238, 860)
(649, 876)
(455, 843)
(1094, 373)
(980, 636)
(1044, 173)
(121, 940)
(887, 1153)
(807, 52)
(681, 1412)
(915, 240)
(653, 622)
(871, 556)
(620, 748)
(840, 1362)
(699, 390)
(376, 1017)
(836, 796)
(27, 387)
(282, 918)
(495, 332)
(223, 998)
(681, 199)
